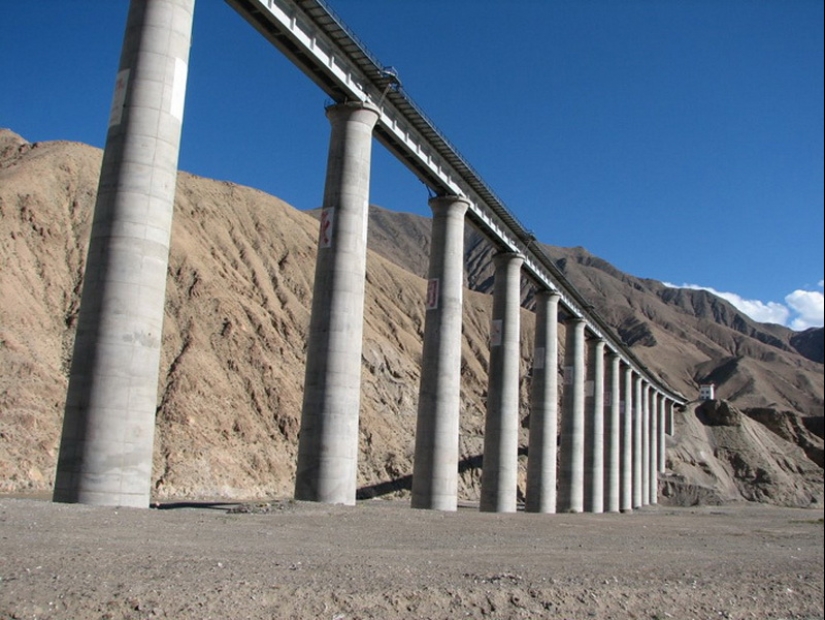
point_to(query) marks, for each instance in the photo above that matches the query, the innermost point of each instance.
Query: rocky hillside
(690, 336)
(238, 291)
(719, 453)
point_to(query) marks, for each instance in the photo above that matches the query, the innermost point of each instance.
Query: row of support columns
(329, 425)
(613, 423)
(611, 450)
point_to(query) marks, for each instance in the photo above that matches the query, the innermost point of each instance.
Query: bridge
(614, 414)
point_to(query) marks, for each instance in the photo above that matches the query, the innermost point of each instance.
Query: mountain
(690, 336)
(239, 286)
(810, 344)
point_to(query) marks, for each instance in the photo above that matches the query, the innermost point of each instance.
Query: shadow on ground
(404, 483)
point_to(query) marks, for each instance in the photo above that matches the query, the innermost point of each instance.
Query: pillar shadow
(177, 505)
(404, 483)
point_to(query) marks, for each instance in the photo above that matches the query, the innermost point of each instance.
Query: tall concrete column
(499, 475)
(435, 470)
(328, 444)
(571, 462)
(662, 431)
(612, 433)
(544, 390)
(626, 494)
(594, 427)
(669, 418)
(637, 441)
(654, 447)
(109, 424)
(645, 444)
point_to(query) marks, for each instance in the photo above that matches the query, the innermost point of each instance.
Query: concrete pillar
(612, 444)
(654, 447)
(108, 429)
(328, 444)
(544, 390)
(571, 462)
(671, 422)
(435, 470)
(669, 418)
(626, 461)
(645, 444)
(499, 476)
(662, 428)
(594, 427)
(637, 442)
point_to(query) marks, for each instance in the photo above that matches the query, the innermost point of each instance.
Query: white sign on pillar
(538, 360)
(179, 89)
(116, 113)
(495, 333)
(366, 212)
(432, 293)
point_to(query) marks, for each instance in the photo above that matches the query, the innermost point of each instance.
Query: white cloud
(802, 309)
(770, 312)
(809, 305)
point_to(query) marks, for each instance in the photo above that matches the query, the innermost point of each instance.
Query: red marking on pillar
(327, 224)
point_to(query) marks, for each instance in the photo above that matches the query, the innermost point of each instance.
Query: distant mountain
(810, 343)
(239, 287)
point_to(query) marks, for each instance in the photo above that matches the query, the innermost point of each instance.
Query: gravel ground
(381, 559)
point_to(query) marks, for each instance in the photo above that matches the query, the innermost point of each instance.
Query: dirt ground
(381, 559)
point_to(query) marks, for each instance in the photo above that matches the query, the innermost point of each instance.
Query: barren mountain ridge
(238, 295)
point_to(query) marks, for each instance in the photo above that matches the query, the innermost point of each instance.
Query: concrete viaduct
(614, 412)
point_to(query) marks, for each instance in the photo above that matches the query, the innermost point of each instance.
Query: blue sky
(680, 141)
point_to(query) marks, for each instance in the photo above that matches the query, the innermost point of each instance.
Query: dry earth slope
(238, 291)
